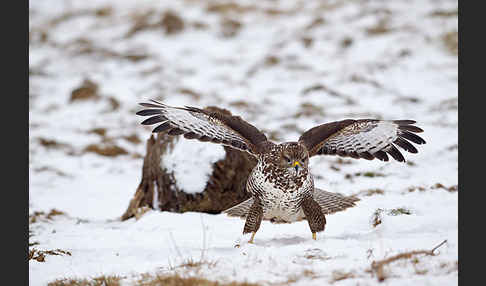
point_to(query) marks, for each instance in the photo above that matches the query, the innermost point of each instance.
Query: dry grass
(230, 27)
(306, 273)
(445, 13)
(451, 42)
(40, 255)
(87, 90)
(307, 109)
(51, 169)
(399, 211)
(377, 216)
(36, 216)
(377, 267)
(52, 144)
(84, 46)
(187, 91)
(177, 280)
(225, 8)
(338, 275)
(450, 189)
(133, 138)
(97, 281)
(98, 131)
(382, 27)
(369, 193)
(109, 151)
(169, 21)
(114, 103)
(369, 174)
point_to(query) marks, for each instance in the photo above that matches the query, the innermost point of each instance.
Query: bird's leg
(254, 218)
(314, 215)
(252, 236)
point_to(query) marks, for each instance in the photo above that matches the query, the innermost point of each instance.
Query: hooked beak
(296, 165)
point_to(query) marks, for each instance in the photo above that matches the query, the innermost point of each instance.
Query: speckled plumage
(281, 185)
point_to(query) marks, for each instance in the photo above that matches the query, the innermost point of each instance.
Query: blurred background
(283, 65)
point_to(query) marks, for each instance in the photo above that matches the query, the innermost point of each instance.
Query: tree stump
(159, 190)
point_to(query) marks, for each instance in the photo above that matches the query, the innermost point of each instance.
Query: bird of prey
(281, 186)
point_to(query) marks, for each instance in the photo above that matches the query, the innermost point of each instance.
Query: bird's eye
(303, 159)
(287, 158)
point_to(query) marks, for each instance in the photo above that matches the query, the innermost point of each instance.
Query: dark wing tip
(405, 122)
(154, 119)
(395, 153)
(162, 127)
(405, 145)
(145, 104)
(411, 137)
(407, 125)
(381, 155)
(147, 112)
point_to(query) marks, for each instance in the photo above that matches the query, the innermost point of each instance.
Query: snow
(267, 75)
(191, 162)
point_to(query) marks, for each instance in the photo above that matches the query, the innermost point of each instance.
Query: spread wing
(364, 138)
(203, 125)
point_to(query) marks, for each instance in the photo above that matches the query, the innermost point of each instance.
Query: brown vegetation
(369, 193)
(169, 21)
(451, 42)
(450, 189)
(377, 267)
(109, 151)
(338, 275)
(97, 281)
(40, 255)
(177, 280)
(87, 90)
(39, 215)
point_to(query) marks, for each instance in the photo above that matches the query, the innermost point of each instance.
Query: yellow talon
(314, 236)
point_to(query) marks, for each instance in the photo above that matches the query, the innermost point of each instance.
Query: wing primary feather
(366, 155)
(162, 127)
(145, 104)
(176, 131)
(395, 153)
(404, 122)
(191, 135)
(411, 136)
(205, 138)
(405, 145)
(381, 155)
(410, 128)
(354, 154)
(147, 112)
(154, 119)
(160, 104)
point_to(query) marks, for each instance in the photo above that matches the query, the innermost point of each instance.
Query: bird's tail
(333, 202)
(241, 209)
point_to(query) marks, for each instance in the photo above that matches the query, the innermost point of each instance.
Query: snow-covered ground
(284, 66)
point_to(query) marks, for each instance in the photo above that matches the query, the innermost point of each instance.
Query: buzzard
(281, 185)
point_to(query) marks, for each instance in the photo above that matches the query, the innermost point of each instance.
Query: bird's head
(293, 157)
